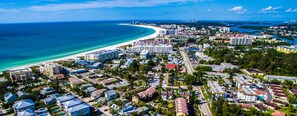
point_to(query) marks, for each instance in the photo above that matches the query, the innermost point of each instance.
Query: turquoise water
(28, 43)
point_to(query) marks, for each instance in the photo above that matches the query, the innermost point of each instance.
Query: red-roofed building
(147, 93)
(278, 113)
(181, 107)
(171, 66)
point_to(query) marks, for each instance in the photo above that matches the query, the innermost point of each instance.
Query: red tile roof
(171, 66)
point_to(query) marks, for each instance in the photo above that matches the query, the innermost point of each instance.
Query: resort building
(102, 55)
(145, 54)
(215, 89)
(181, 107)
(240, 81)
(161, 48)
(245, 40)
(52, 69)
(21, 74)
(246, 94)
(287, 49)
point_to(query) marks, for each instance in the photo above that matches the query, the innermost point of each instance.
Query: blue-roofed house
(47, 90)
(64, 98)
(42, 112)
(111, 94)
(23, 105)
(27, 112)
(126, 110)
(79, 110)
(9, 97)
(71, 103)
(89, 90)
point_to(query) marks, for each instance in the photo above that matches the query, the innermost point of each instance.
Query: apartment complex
(245, 40)
(181, 107)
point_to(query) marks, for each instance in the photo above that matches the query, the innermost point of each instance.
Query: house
(79, 110)
(68, 104)
(22, 105)
(9, 97)
(21, 93)
(51, 99)
(171, 66)
(85, 86)
(111, 94)
(89, 90)
(127, 110)
(96, 65)
(64, 98)
(96, 94)
(181, 107)
(42, 112)
(27, 112)
(47, 90)
(74, 81)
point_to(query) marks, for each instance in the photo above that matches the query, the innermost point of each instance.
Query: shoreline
(110, 47)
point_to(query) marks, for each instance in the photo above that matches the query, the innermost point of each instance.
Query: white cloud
(212, 10)
(9, 10)
(270, 9)
(106, 4)
(238, 9)
(291, 10)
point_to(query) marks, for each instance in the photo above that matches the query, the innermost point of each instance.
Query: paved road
(204, 107)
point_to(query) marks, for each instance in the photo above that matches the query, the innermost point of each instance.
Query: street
(204, 107)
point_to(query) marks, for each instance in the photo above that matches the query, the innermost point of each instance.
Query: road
(203, 107)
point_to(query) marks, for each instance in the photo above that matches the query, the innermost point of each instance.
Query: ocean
(27, 43)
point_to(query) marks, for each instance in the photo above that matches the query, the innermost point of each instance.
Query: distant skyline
(15, 11)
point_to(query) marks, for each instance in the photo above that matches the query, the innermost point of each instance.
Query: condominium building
(215, 89)
(245, 40)
(20, 74)
(161, 48)
(287, 49)
(181, 107)
(52, 69)
(102, 55)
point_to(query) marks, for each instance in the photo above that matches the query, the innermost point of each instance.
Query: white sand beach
(157, 31)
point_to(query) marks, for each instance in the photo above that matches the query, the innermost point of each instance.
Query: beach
(111, 47)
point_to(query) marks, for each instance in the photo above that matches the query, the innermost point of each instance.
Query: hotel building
(102, 55)
(162, 48)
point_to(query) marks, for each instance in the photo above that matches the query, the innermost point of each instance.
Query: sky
(15, 11)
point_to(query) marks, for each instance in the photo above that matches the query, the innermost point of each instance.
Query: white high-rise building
(102, 55)
(245, 40)
(52, 69)
(162, 48)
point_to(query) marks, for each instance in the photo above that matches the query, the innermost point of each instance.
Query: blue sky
(80, 10)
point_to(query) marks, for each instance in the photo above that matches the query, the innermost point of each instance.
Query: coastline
(111, 47)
